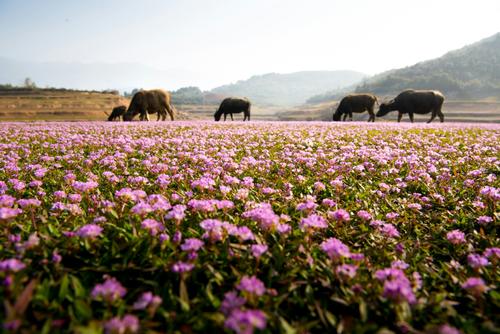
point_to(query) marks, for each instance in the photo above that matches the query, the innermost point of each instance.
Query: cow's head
(129, 115)
(383, 109)
(217, 115)
(337, 115)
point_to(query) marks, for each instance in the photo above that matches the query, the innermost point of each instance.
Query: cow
(356, 103)
(233, 105)
(150, 102)
(415, 102)
(117, 113)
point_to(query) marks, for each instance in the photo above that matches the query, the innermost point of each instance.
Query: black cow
(117, 113)
(233, 105)
(356, 103)
(415, 102)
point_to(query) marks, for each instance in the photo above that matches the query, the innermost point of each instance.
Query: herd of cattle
(409, 102)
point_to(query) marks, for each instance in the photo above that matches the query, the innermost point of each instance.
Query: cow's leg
(232, 119)
(434, 113)
(440, 115)
(372, 115)
(170, 111)
(158, 115)
(411, 116)
(400, 115)
(345, 117)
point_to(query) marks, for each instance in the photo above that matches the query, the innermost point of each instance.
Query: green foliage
(472, 72)
(187, 95)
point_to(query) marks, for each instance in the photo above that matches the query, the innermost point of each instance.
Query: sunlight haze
(213, 42)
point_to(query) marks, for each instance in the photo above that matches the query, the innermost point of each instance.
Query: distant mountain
(91, 76)
(472, 72)
(289, 89)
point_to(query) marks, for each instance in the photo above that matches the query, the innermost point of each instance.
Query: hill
(472, 72)
(289, 89)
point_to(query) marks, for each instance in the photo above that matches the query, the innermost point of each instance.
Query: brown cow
(150, 102)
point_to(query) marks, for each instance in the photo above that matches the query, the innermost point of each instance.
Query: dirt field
(39, 105)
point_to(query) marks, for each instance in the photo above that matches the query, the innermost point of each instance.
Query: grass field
(50, 105)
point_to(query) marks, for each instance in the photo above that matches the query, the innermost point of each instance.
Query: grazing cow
(415, 102)
(233, 105)
(117, 113)
(356, 103)
(150, 102)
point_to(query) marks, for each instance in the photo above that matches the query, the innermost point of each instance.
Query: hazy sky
(220, 41)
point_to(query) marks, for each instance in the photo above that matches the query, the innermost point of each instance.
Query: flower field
(258, 227)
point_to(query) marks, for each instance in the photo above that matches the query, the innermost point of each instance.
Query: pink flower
(475, 285)
(9, 213)
(147, 300)
(252, 285)
(127, 325)
(89, 231)
(313, 222)
(389, 231)
(484, 220)
(231, 302)
(477, 261)
(182, 267)
(335, 248)
(328, 202)
(364, 215)
(456, 237)
(258, 250)
(85, 187)
(447, 329)
(153, 226)
(308, 205)
(177, 213)
(245, 321)
(12, 265)
(109, 291)
(192, 244)
(29, 203)
(339, 215)
(142, 209)
(346, 271)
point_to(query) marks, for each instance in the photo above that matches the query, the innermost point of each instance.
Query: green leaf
(287, 328)
(183, 296)
(64, 288)
(79, 290)
(83, 311)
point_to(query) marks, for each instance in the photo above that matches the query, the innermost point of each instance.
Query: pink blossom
(456, 237)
